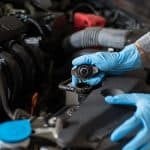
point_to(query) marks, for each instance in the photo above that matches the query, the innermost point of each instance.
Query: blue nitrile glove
(141, 117)
(113, 63)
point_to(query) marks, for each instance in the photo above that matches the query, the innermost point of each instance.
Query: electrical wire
(35, 23)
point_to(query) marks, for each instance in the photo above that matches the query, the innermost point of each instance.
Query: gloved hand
(141, 117)
(109, 62)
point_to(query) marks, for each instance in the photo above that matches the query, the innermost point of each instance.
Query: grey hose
(144, 42)
(97, 36)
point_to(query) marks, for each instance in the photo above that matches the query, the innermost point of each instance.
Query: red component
(83, 20)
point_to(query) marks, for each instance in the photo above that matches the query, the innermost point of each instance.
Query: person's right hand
(113, 63)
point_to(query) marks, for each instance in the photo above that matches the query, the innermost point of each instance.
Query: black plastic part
(96, 115)
(10, 28)
(65, 85)
(81, 88)
(16, 2)
(111, 92)
(44, 5)
(67, 45)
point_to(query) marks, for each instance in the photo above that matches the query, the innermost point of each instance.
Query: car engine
(38, 40)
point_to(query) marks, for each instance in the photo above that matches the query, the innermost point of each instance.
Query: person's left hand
(141, 117)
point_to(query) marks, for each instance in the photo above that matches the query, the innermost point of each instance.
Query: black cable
(85, 5)
(35, 23)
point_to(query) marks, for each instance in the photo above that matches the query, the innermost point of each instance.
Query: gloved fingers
(144, 115)
(146, 146)
(122, 99)
(85, 59)
(95, 80)
(75, 81)
(140, 139)
(127, 127)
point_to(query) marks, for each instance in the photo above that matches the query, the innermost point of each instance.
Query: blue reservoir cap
(15, 131)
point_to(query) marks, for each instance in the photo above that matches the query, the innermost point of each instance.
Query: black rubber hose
(96, 36)
(4, 96)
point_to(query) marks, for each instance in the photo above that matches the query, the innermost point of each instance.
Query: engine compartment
(38, 40)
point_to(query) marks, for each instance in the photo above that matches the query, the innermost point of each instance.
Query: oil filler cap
(85, 71)
(15, 131)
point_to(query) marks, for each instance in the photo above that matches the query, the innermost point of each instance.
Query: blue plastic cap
(15, 131)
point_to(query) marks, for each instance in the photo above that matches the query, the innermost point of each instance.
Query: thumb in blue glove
(114, 63)
(141, 117)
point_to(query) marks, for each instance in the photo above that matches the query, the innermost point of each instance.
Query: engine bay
(38, 40)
